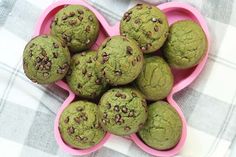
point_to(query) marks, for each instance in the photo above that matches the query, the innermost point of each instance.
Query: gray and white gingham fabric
(27, 110)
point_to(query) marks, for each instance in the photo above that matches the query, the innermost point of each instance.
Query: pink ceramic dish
(174, 11)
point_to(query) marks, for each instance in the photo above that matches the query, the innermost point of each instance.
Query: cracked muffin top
(156, 79)
(120, 60)
(76, 26)
(147, 25)
(122, 111)
(45, 59)
(163, 127)
(83, 78)
(186, 44)
(79, 126)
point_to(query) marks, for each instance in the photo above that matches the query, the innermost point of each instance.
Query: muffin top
(156, 79)
(122, 111)
(147, 25)
(120, 60)
(186, 44)
(79, 125)
(163, 127)
(45, 59)
(76, 26)
(83, 77)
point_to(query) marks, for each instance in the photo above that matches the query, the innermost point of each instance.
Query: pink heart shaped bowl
(174, 11)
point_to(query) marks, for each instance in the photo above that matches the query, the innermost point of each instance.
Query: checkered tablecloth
(27, 110)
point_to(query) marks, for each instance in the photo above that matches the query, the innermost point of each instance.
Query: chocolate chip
(55, 45)
(59, 71)
(32, 45)
(87, 29)
(128, 19)
(85, 139)
(124, 109)
(123, 34)
(160, 21)
(45, 74)
(105, 115)
(123, 96)
(129, 50)
(131, 113)
(117, 117)
(104, 54)
(66, 120)
(55, 54)
(80, 11)
(80, 18)
(79, 138)
(83, 53)
(138, 58)
(126, 14)
(143, 48)
(80, 108)
(98, 81)
(79, 85)
(30, 53)
(89, 74)
(154, 19)
(133, 62)
(72, 14)
(77, 120)
(118, 72)
(149, 34)
(85, 118)
(90, 17)
(127, 128)
(156, 28)
(70, 130)
(104, 121)
(64, 17)
(118, 94)
(88, 41)
(108, 106)
(134, 94)
(139, 6)
(105, 59)
(72, 22)
(97, 125)
(84, 71)
(116, 108)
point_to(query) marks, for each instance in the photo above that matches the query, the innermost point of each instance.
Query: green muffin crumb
(76, 26)
(45, 59)
(120, 60)
(186, 44)
(156, 79)
(122, 111)
(79, 126)
(83, 78)
(147, 25)
(163, 127)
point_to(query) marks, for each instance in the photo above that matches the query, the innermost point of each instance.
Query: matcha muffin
(147, 25)
(122, 111)
(76, 26)
(79, 126)
(186, 44)
(120, 60)
(156, 79)
(45, 59)
(83, 78)
(163, 127)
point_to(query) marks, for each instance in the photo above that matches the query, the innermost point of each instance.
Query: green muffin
(122, 111)
(163, 127)
(45, 59)
(79, 126)
(83, 78)
(120, 60)
(186, 44)
(76, 26)
(147, 25)
(156, 79)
